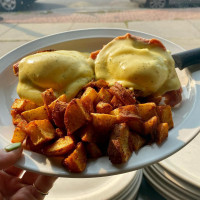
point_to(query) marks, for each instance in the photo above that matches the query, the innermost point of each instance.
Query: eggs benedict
(63, 71)
(137, 64)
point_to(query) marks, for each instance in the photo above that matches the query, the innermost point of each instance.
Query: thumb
(7, 159)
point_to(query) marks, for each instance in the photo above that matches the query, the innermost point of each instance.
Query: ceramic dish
(110, 187)
(187, 122)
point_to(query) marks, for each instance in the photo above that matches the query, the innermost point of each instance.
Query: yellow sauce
(137, 65)
(64, 71)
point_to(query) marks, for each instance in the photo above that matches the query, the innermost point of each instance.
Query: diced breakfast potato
(58, 114)
(147, 110)
(75, 116)
(16, 117)
(19, 135)
(150, 126)
(40, 131)
(136, 141)
(104, 95)
(87, 133)
(60, 147)
(77, 160)
(126, 113)
(165, 115)
(162, 133)
(123, 94)
(118, 149)
(115, 102)
(103, 107)
(48, 96)
(88, 99)
(21, 105)
(35, 114)
(103, 122)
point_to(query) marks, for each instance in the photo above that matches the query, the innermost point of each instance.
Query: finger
(26, 193)
(8, 159)
(44, 183)
(14, 171)
(29, 178)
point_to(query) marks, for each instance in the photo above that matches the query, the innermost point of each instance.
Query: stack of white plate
(178, 177)
(117, 187)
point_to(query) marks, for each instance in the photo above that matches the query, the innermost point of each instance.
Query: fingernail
(12, 146)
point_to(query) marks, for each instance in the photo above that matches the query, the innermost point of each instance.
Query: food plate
(187, 122)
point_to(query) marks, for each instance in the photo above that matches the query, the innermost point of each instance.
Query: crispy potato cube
(136, 125)
(123, 94)
(162, 133)
(75, 116)
(50, 107)
(93, 150)
(103, 122)
(16, 117)
(103, 107)
(76, 162)
(87, 134)
(115, 102)
(40, 131)
(58, 114)
(118, 148)
(136, 141)
(60, 147)
(35, 114)
(126, 113)
(97, 84)
(165, 115)
(104, 95)
(62, 98)
(19, 135)
(150, 126)
(21, 105)
(88, 99)
(147, 110)
(48, 96)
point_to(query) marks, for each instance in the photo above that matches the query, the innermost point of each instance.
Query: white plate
(185, 163)
(187, 122)
(109, 187)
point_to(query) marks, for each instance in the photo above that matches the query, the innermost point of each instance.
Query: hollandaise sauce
(137, 64)
(64, 71)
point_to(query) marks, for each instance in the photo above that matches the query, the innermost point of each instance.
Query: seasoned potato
(35, 114)
(136, 141)
(162, 133)
(88, 99)
(40, 131)
(16, 117)
(48, 96)
(75, 116)
(87, 133)
(104, 95)
(115, 102)
(136, 125)
(58, 114)
(103, 107)
(147, 110)
(21, 105)
(76, 162)
(126, 113)
(19, 135)
(165, 115)
(123, 94)
(150, 126)
(60, 147)
(118, 149)
(103, 122)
